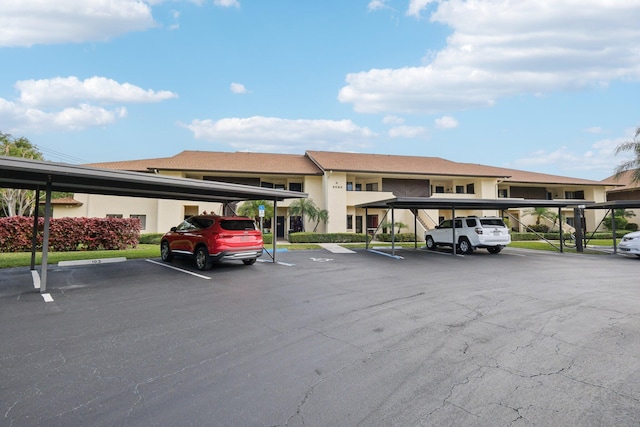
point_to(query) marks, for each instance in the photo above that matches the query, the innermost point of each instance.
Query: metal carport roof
(454, 203)
(39, 175)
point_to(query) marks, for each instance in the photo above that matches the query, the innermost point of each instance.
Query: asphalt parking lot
(323, 339)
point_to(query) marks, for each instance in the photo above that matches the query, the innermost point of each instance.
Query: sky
(544, 86)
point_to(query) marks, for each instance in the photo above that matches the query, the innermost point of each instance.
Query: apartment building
(338, 182)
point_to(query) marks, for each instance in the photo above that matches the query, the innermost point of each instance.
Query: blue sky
(546, 86)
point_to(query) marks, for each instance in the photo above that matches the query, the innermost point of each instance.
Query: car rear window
(496, 222)
(201, 222)
(237, 224)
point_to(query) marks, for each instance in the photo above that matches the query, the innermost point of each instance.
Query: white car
(471, 232)
(630, 244)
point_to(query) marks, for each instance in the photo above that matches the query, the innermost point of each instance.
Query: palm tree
(321, 216)
(632, 165)
(541, 213)
(251, 209)
(302, 208)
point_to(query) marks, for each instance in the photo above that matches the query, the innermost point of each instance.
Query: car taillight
(478, 230)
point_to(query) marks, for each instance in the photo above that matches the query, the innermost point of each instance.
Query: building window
(459, 189)
(359, 224)
(349, 186)
(114, 215)
(295, 186)
(280, 186)
(503, 193)
(372, 186)
(358, 187)
(471, 189)
(349, 222)
(574, 195)
(265, 184)
(142, 219)
(439, 188)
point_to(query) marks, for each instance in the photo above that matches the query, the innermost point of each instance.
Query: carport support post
(366, 234)
(274, 229)
(560, 228)
(45, 239)
(453, 228)
(34, 232)
(577, 215)
(393, 231)
(613, 230)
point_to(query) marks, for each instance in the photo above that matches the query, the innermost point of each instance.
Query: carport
(415, 203)
(27, 174)
(612, 206)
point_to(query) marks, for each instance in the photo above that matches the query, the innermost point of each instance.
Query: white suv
(471, 232)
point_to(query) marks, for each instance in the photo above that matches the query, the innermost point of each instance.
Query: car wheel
(431, 245)
(465, 246)
(249, 261)
(203, 262)
(494, 249)
(165, 252)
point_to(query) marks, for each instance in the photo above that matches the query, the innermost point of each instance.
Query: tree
(302, 208)
(541, 213)
(321, 216)
(632, 165)
(15, 201)
(251, 209)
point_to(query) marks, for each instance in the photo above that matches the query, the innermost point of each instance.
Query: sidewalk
(336, 248)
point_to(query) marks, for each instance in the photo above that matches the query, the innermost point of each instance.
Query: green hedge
(150, 238)
(305, 237)
(399, 237)
(606, 235)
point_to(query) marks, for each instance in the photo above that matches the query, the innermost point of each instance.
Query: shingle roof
(236, 162)
(315, 162)
(623, 182)
(383, 163)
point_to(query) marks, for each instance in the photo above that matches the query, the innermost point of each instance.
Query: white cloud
(238, 88)
(376, 5)
(594, 129)
(69, 90)
(406, 131)
(282, 135)
(598, 160)
(72, 104)
(392, 120)
(416, 6)
(446, 122)
(501, 48)
(29, 22)
(227, 3)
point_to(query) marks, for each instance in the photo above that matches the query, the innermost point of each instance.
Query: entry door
(359, 224)
(279, 227)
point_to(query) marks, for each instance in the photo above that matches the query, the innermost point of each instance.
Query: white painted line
(178, 269)
(285, 264)
(277, 262)
(386, 254)
(91, 261)
(47, 297)
(36, 279)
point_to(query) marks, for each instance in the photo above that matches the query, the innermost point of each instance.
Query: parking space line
(47, 297)
(178, 269)
(36, 279)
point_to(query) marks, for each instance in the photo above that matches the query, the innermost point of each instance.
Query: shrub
(539, 228)
(150, 238)
(632, 226)
(70, 234)
(399, 237)
(305, 237)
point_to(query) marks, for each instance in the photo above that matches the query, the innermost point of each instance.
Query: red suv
(211, 238)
